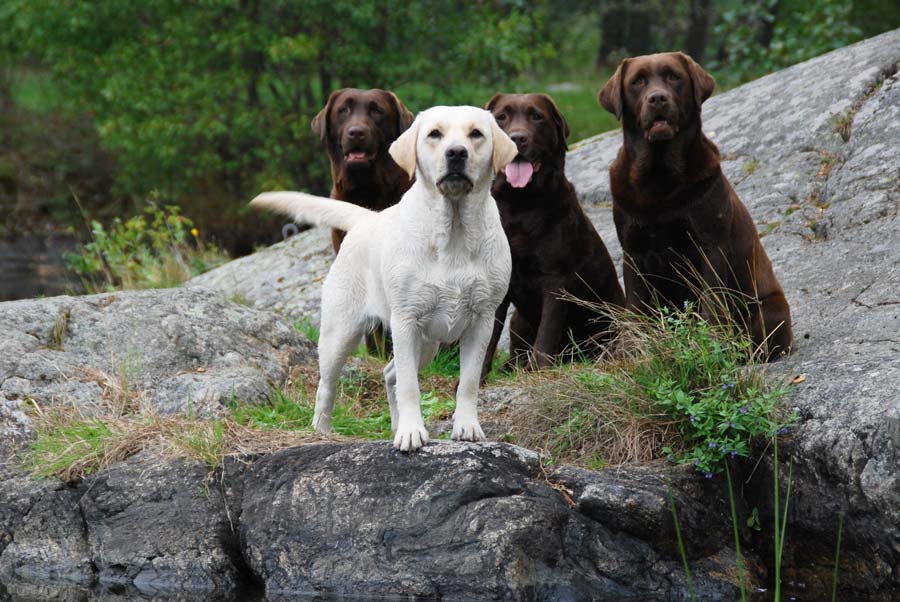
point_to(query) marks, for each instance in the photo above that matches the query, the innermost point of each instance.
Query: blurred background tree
(205, 103)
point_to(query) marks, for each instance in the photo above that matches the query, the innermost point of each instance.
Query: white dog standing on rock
(433, 268)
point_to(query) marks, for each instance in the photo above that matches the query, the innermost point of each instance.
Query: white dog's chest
(447, 301)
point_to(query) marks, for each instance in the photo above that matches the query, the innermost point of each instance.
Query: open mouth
(358, 157)
(661, 129)
(520, 171)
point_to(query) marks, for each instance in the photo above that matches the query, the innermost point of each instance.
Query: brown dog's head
(658, 94)
(358, 126)
(534, 123)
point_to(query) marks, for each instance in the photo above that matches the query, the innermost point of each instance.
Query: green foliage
(157, 249)
(214, 99)
(800, 30)
(696, 374)
(678, 386)
(445, 363)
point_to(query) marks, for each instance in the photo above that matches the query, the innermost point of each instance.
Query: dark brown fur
(681, 224)
(555, 248)
(377, 118)
(366, 121)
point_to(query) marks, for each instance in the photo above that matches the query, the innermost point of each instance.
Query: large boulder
(178, 350)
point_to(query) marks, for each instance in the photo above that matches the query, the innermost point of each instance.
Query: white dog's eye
(436, 134)
(476, 134)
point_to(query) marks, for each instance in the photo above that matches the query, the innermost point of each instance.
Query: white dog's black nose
(456, 153)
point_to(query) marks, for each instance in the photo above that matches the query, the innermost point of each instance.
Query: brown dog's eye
(344, 110)
(476, 134)
(673, 77)
(376, 110)
(436, 134)
(639, 81)
(537, 117)
(501, 117)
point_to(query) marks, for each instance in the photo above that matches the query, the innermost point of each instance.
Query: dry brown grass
(71, 444)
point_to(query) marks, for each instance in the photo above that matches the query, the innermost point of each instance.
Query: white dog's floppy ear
(505, 150)
(403, 149)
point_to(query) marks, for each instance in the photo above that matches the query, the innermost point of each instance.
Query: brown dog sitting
(358, 127)
(555, 248)
(682, 227)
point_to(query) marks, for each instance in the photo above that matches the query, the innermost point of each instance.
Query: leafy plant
(157, 249)
(677, 386)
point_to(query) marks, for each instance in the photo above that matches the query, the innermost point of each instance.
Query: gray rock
(50, 545)
(456, 520)
(160, 526)
(285, 278)
(178, 350)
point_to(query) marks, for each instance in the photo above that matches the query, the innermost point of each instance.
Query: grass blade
(737, 540)
(684, 561)
(837, 559)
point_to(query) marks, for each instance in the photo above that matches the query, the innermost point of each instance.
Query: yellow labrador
(433, 268)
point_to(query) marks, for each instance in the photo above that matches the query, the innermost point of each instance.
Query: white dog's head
(455, 149)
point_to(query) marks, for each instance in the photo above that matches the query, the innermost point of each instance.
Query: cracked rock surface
(177, 349)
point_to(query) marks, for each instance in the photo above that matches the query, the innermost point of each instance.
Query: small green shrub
(675, 386)
(157, 249)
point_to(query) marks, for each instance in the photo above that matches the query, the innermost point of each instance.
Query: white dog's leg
(337, 339)
(390, 378)
(472, 347)
(390, 387)
(408, 351)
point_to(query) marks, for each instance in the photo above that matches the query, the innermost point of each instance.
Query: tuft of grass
(673, 385)
(842, 125)
(445, 363)
(60, 330)
(306, 327)
(751, 166)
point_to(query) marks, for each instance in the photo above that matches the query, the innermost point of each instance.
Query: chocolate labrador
(358, 127)
(682, 226)
(555, 248)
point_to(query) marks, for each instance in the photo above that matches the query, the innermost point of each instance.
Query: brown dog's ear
(403, 149)
(610, 96)
(489, 105)
(405, 117)
(505, 150)
(703, 82)
(319, 123)
(562, 126)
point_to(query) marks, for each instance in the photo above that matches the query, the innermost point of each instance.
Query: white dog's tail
(311, 209)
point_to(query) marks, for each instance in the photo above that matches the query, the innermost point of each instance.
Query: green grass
(55, 450)
(677, 386)
(35, 91)
(306, 327)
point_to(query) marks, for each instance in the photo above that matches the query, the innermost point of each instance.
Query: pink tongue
(355, 156)
(518, 173)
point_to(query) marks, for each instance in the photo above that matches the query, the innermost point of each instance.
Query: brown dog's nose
(658, 99)
(520, 138)
(356, 133)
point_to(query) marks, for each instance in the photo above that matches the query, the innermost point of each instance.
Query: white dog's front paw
(467, 430)
(322, 423)
(409, 440)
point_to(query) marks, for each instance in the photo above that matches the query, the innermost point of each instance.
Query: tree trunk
(767, 26)
(625, 27)
(698, 29)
